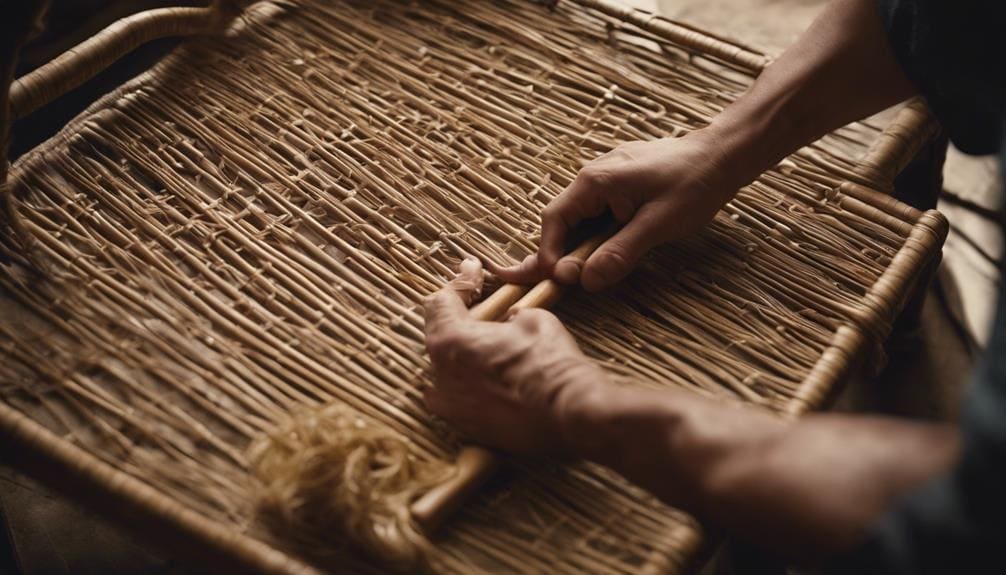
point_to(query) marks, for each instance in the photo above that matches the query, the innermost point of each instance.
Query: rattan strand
(83, 62)
(249, 230)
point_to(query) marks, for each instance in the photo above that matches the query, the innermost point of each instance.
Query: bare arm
(812, 486)
(842, 69)
(806, 488)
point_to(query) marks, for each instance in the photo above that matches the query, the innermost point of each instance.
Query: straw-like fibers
(249, 230)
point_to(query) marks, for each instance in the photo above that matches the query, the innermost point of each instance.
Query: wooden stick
(477, 464)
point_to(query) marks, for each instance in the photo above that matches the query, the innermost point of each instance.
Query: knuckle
(550, 215)
(534, 319)
(434, 343)
(623, 153)
(465, 288)
(430, 302)
(434, 301)
(443, 341)
(622, 207)
(522, 317)
(616, 259)
(596, 177)
(550, 322)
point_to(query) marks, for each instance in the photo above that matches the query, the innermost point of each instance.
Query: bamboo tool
(475, 465)
(329, 470)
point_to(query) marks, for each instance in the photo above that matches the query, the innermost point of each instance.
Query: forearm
(804, 488)
(841, 69)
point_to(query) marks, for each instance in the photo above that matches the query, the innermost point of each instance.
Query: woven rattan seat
(251, 226)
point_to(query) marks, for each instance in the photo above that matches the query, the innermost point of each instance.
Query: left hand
(508, 384)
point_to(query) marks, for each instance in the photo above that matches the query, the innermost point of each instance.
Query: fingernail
(528, 265)
(470, 265)
(567, 271)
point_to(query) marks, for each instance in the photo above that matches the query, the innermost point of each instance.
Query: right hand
(661, 190)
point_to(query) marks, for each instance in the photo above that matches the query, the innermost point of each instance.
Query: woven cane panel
(252, 227)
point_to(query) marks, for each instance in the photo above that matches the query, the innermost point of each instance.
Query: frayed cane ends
(331, 471)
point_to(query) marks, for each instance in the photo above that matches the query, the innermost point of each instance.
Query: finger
(468, 283)
(436, 401)
(532, 319)
(583, 199)
(567, 270)
(450, 304)
(615, 258)
(527, 271)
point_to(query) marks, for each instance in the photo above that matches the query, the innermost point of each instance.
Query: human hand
(662, 190)
(508, 384)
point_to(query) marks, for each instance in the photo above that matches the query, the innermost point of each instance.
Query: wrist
(608, 424)
(683, 448)
(739, 148)
(579, 408)
(756, 132)
(643, 435)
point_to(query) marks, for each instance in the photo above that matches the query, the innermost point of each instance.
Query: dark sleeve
(954, 52)
(956, 523)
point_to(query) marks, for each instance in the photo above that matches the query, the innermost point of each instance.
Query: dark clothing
(954, 51)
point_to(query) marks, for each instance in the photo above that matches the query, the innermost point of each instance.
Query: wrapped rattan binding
(24, 95)
(21, 23)
(76, 66)
(209, 538)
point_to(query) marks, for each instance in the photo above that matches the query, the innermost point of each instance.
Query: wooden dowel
(496, 305)
(475, 465)
(548, 292)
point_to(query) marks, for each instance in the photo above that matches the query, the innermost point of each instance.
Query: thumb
(450, 304)
(468, 283)
(615, 258)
